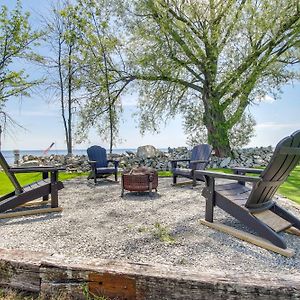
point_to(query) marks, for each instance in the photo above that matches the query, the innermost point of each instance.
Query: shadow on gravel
(34, 219)
(102, 182)
(140, 196)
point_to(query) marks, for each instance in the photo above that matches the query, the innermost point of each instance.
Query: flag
(46, 150)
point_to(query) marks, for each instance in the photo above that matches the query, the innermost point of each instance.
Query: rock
(225, 162)
(130, 153)
(30, 163)
(147, 151)
(149, 156)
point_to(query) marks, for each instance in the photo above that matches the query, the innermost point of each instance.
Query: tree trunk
(217, 130)
(69, 140)
(218, 138)
(61, 86)
(110, 128)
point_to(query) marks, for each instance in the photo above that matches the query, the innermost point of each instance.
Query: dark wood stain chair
(198, 161)
(40, 189)
(99, 164)
(255, 207)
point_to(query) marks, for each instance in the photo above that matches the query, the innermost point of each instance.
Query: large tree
(221, 54)
(16, 41)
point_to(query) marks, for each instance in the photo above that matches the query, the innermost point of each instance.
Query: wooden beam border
(51, 274)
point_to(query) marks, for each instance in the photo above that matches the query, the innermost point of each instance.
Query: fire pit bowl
(140, 179)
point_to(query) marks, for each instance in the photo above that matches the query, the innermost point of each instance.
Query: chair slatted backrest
(98, 154)
(285, 158)
(201, 152)
(10, 175)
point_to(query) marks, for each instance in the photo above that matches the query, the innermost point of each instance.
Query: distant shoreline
(9, 154)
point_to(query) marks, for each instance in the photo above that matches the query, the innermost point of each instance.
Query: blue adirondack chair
(198, 161)
(99, 164)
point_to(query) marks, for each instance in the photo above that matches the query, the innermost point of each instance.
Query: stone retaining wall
(49, 274)
(251, 157)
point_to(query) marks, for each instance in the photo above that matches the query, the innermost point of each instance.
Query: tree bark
(111, 128)
(61, 85)
(69, 139)
(217, 128)
(218, 138)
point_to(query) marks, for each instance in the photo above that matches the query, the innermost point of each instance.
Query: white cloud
(266, 99)
(274, 125)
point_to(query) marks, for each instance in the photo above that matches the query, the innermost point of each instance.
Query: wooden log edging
(51, 274)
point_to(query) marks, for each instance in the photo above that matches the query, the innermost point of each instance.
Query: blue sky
(41, 118)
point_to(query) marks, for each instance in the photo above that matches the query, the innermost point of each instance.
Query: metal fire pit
(140, 179)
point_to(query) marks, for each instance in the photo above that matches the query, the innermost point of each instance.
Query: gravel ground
(164, 229)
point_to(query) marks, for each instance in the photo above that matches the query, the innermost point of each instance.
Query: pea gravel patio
(165, 229)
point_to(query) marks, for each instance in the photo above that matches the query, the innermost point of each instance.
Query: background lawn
(26, 178)
(290, 189)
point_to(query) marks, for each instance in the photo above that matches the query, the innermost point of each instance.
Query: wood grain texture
(51, 274)
(272, 220)
(30, 212)
(293, 230)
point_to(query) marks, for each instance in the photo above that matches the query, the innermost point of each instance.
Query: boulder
(225, 162)
(30, 163)
(147, 151)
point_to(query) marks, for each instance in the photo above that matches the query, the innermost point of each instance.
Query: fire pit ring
(140, 179)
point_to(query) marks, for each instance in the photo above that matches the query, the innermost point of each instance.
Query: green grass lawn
(26, 178)
(290, 189)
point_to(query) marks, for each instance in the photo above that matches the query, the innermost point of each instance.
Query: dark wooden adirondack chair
(198, 161)
(255, 207)
(99, 164)
(40, 189)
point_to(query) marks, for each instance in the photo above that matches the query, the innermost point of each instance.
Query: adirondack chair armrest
(227, 176)
(243, 171)
(175, 161)
(199, 161)
(194, 163)
(115, 162)
(179, 160)
(92, 162)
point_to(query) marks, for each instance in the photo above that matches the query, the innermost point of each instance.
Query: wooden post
(54, 189)
(45, 176)
(16, 157)
(209, 210)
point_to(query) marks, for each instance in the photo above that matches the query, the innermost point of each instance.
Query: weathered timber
(141, 281)
(35, 203)
(293, 230)
(31, 212)
(21, 269)
(56, 274)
